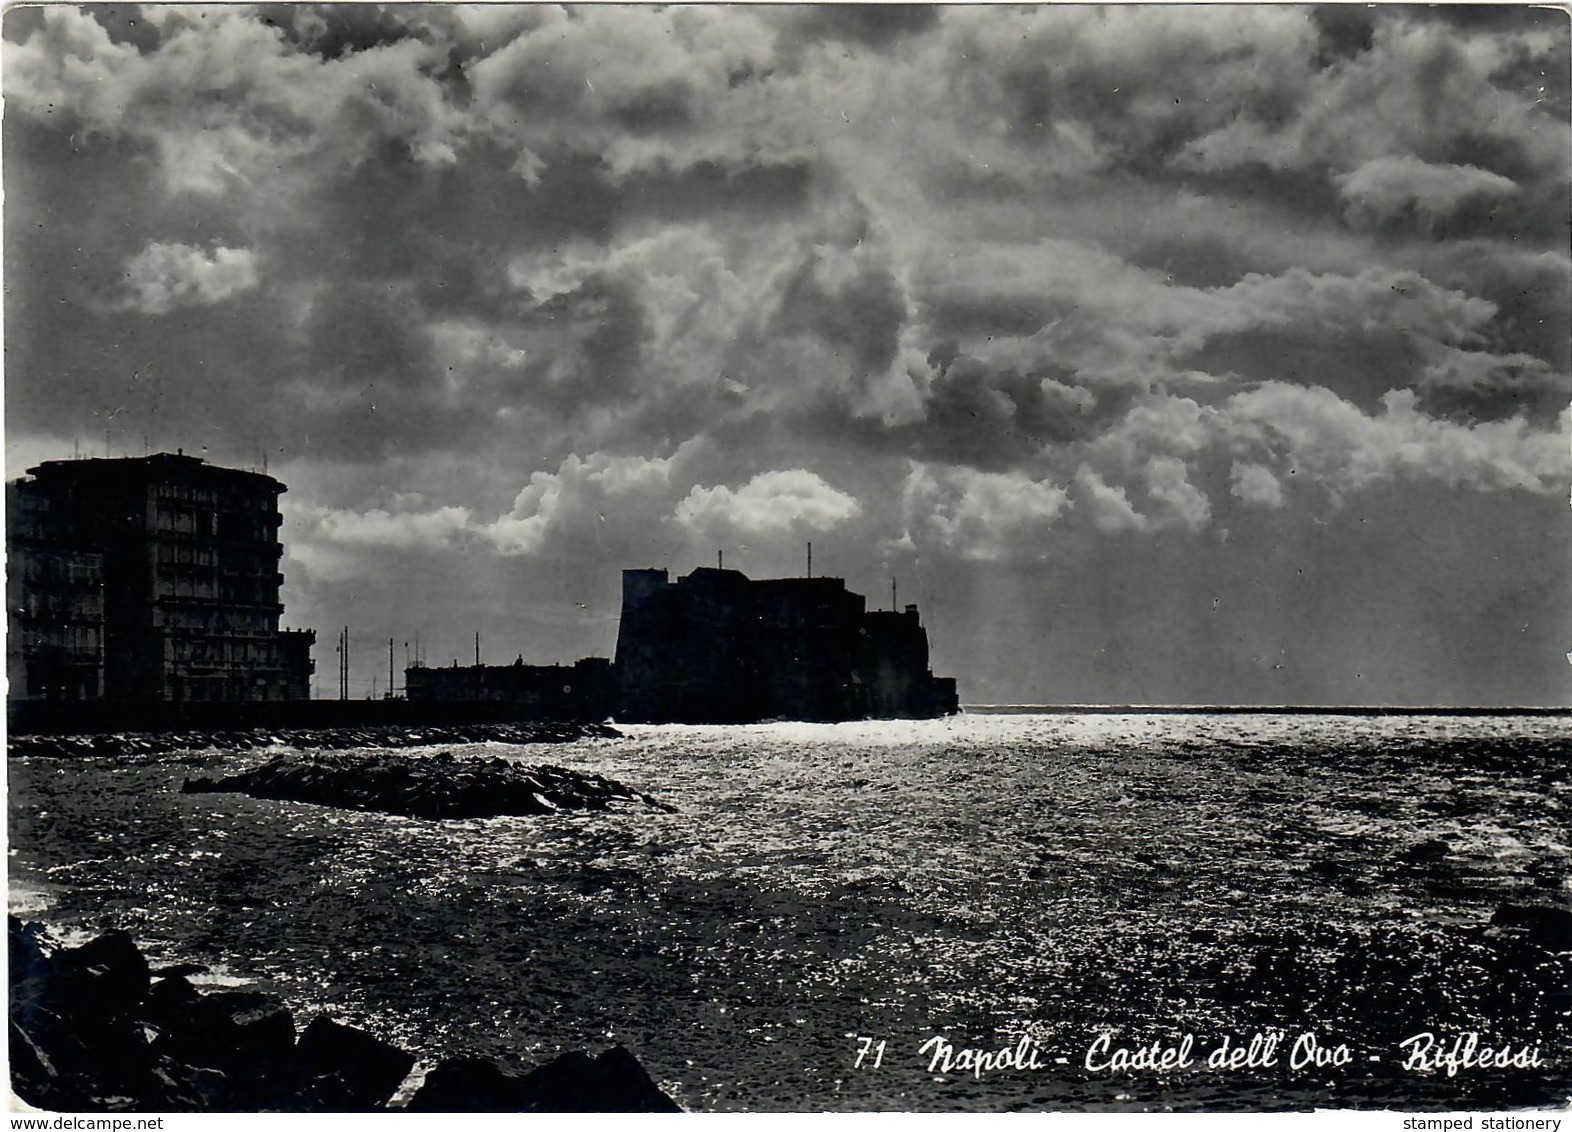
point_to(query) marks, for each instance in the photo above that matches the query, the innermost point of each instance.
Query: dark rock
(106, 975)
(566, 1083)
(576, 1082)
(571, 1082)
(627, 1086)
(168, 1000)
(343, 1069)
(34, 1077)
(436, 787)
(87, 1062)
(95, 1034)
(241, 1032)
(468, 1084)
(1543, 924)
(174, 1086)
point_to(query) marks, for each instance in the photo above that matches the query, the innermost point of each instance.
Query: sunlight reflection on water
(984, 876)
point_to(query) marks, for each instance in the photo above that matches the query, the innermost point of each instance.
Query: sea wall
(39, 717)
(386, 735)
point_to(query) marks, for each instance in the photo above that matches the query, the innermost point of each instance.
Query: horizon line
(1266, 709)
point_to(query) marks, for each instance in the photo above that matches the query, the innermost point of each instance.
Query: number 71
(864, 1045)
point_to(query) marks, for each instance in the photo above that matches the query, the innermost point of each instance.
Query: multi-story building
(148, 579)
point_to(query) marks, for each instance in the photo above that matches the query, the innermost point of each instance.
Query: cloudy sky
(1162, 354)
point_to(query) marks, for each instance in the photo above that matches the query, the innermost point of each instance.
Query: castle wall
(718, 647)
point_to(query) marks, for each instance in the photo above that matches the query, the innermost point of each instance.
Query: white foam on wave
(24, 901)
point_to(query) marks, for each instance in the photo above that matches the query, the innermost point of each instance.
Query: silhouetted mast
(894, 603)
(477, 650)
(810, 560)
(720, 560)
(390, 668)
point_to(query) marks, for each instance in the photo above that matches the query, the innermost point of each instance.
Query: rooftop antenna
(477, 650)
(720, 560)
(810, 560)
(894, 604)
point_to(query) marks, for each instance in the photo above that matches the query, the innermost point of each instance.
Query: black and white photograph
(788, 558)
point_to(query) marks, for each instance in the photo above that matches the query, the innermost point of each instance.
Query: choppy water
(985, 878)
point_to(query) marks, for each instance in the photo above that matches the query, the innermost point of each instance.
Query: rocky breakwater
(303, 739)
(436, 786)
(95, 1029)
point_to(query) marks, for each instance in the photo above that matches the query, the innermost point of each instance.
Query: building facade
(718, 647)
(583, 690)
(148, 579)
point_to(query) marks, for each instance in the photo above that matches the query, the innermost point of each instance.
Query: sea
(1023, 911)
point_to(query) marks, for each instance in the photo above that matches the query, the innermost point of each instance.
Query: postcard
(788, 558)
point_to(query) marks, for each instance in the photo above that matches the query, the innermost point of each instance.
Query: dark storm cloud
(1489, 17)
(1359, 365)
(980, 315)
(366, 335)
(1342, 31)
(335, 30)
(709, 188)
(875, 25)
(1531, 291)
(860, 315)
(1471, 387)
(1139, 94)
(959, 285)
(606, 318)
(1192, 260)
(993, 419)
